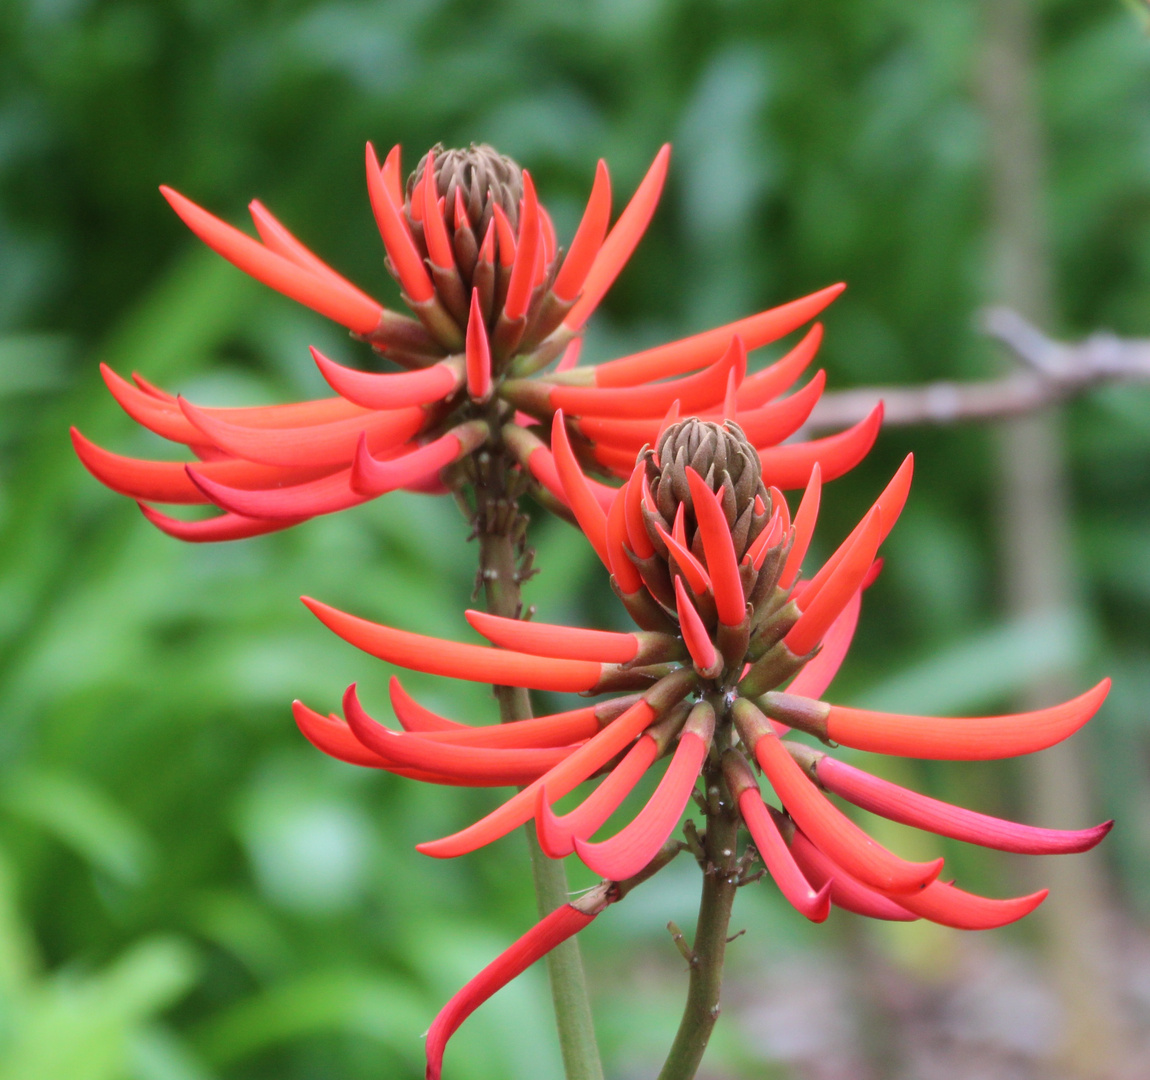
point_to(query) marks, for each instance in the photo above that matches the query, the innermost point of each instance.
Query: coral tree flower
(706, 558)
(495, 301)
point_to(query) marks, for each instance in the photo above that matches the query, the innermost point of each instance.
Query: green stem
(710, 946)
(498, 524)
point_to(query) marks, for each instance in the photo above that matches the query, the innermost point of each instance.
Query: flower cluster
(496, 301)
(706, 558)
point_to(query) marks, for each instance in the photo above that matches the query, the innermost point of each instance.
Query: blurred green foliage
(188, 891)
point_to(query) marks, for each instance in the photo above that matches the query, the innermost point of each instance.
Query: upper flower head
(496, 300)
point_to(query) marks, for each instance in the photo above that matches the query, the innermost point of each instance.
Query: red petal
(505, 766)
(320, 444)
(565, 777)
(506, 237)
(779, 862)
(805, 519)
(588, 238)
(323, 496)
(414, 717)
(719, 550)
(970, 739)
(397, 240)
(909, 807)
(778, 420)
(211, 530)
(846, 892)
(434, 230)
(890, 502)
(813, 680)
(557, 834)
(338, 300)
(375, 390)
(702, 390)
(698, 351)
(625, 572)
(764, 385)
(564, 922)
(789, 466)
(636, 844)
(834, 833)
(824, 606)
(522, 273)
(944, 904)
(637, 536)
(333, 737)
(478, 353)
(545, 639)
(392, 173)
(621, 241)
(695, 636)
(691, 568)
(592, 520)
(457, 660)
(371, 477)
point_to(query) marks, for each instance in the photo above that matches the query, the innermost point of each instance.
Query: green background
(187, 890)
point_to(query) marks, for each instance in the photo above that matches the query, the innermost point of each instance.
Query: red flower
(706, 558)
(496, 301)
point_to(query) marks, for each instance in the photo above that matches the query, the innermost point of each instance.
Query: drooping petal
(547, 639)
(789, 466)
(949, 906)
(214, 529)
(778, 420)
(415, 717)
(636, 844)
(921, 811)
(569, 773)
(968, 739)
(831, 830)
(692, 353)
(553, 930)
(557, 833)
(621, 241)
(320, 444)
(376, 390)
(333, 737)
(324, 496)
(336, 299)
(508, 766)
(455, 659)
(371, 477)
(847, 892)
(719, 549)
(588, 238)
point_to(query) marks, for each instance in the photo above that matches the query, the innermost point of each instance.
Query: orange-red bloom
(725, 623)
(496, 302)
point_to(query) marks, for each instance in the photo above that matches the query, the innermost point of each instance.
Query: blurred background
(187, 890)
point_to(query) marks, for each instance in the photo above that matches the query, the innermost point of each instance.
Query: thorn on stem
(685, 950)
(737, 934)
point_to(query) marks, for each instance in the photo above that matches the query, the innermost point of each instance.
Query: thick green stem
(709, 949)
(498, 527)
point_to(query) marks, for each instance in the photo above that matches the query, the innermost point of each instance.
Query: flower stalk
(504, 563)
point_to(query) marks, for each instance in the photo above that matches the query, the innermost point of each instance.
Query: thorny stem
(720, 881)
(504, 563)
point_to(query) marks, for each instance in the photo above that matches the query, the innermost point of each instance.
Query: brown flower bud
(727, 462)
(484, 177)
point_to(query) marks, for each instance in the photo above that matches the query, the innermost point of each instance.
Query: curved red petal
(695, 636)
(762, 386)
(950, 906)
(719, 550)
(789, 467)
(323, 496)
(588, 238)
(805, 519)
(816, 676)
(387, 390)
(578, 495)
(968, 739)
(547, 639)
(397, 240)
(336, 299)
(557, 834)
(621, 241)
(523, 271)
(214, 529)
(455, 659)
(636, 844)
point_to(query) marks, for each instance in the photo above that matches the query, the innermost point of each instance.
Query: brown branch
(1052, 372)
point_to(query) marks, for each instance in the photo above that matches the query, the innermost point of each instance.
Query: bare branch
(1053, 372)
